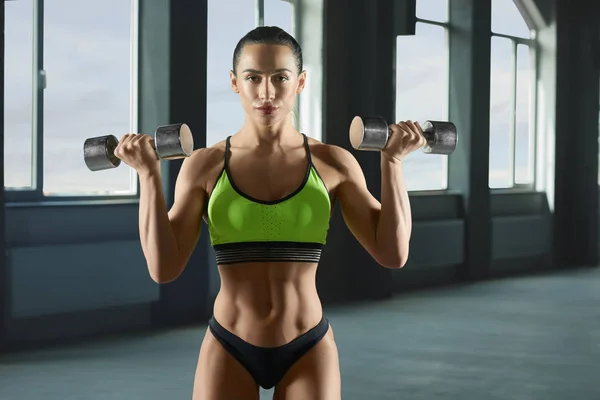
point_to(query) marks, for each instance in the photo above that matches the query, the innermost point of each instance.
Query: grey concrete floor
(519, 338)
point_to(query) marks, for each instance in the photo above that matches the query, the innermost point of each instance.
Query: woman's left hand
(405, 137)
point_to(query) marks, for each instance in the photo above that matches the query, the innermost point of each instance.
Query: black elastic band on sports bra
(227, 147)
(232, 253)
(307, 148)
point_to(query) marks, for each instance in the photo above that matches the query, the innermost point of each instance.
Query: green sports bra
(291, 229)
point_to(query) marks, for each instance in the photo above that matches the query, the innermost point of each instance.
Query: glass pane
(18, 93)
(523, 137)
(433, 10)
(279, 13)
(507, 19)
(224, 111)
(422, 94)
(87, 58)
(501, 84)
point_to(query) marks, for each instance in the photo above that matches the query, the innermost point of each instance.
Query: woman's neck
(281, 134)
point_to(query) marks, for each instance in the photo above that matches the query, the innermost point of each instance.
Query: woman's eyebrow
(255, 71)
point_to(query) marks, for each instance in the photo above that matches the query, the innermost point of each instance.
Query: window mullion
(134, 75)
(259, 13)
(39, 84)
(518, 40)
(445, 168)
(513, 116)
(533, 142)
(432, 22)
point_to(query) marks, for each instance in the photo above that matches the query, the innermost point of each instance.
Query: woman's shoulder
(208, 155)
(331, 154)
(203, 165)
(205, 159)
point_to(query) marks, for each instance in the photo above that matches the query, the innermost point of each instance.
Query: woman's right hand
(136, 151)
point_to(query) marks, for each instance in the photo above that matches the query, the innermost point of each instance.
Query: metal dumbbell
(170, 142)
(372, 133)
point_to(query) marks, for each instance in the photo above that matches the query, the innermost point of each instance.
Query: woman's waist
(265, 319)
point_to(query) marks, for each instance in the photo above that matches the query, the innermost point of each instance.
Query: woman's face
(268, 82)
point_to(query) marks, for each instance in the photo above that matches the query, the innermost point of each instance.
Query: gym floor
(535, 337)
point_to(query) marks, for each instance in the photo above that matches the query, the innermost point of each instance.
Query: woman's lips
(267, 109)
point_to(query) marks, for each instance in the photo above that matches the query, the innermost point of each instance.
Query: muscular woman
(266, 194)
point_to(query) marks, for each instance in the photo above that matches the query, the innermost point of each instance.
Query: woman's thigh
(220, 376)
(315, 376)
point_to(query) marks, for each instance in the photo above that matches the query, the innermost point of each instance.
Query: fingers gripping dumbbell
(170, 142)
(372, 133)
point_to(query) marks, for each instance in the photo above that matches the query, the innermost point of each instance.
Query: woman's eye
(279, 78)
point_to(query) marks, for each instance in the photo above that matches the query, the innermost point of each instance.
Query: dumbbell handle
(427, 130)
(112, 144)
(152, 144)
(428, 133)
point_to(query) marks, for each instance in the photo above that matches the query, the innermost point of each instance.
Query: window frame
(34, 194)
(532, 44)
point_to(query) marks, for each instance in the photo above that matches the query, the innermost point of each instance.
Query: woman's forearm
(395, 220)
(158, 241)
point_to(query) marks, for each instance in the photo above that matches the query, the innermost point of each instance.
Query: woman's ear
(234, 85)
(301, 82)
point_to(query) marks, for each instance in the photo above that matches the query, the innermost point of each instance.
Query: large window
(18, 94)
(422, 88)
(512, 98)
(69, 75)
(225, 115)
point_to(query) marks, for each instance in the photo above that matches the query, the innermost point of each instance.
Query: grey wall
(547, 9)
(75, 270)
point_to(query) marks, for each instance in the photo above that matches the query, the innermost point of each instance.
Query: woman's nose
(267, 90)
